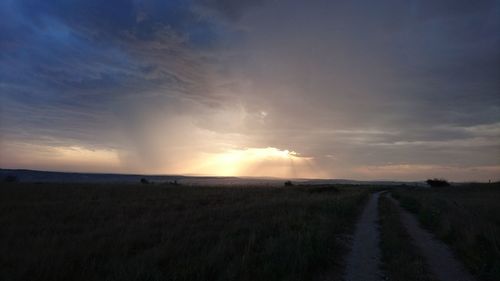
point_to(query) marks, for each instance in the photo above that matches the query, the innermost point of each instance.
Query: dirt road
(364, 258)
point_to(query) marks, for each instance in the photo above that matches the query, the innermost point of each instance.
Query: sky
(393, 90)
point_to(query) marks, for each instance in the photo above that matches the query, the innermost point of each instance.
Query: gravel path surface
(439, 257)
(364, 258)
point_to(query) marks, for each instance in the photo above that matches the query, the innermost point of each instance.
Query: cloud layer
(387, 90)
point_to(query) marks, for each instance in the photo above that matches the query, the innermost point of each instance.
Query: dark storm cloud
(232, 10)
(410, 70)
(73, 72)
(115, 18)
(432, 9)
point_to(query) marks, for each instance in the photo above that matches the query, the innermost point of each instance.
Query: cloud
(419, 172)
(157, 82)
(232, 10)
(88, 73)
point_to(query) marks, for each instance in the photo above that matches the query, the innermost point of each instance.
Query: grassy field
(467, 218)
(160, 232)
(400, 258)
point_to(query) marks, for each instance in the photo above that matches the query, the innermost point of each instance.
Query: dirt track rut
(440, 259)
(364, 259)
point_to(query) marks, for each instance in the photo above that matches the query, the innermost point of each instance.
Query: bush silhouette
(288, 183)
(437, 182)
(10, 179)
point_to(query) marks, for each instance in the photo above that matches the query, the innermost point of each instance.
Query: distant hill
(66, 177)
(47, 176)
(358, 182)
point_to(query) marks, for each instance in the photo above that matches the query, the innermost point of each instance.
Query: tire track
(364, 259)
(439, 257)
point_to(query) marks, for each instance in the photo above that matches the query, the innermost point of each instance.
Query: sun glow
(61, 158)
(267, 161)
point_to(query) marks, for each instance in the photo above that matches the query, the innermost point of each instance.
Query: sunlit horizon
(266, 162)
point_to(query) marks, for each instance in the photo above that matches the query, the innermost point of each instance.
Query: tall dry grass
(152, 232)
(467, 218)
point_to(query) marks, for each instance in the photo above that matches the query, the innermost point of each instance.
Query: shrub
(438, 182)
(10, 179)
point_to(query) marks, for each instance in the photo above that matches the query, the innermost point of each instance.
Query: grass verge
(467, 218)
(400, 258)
